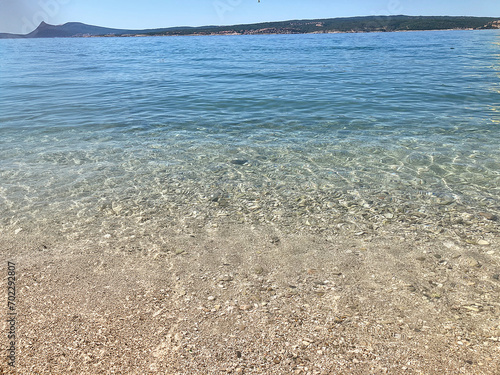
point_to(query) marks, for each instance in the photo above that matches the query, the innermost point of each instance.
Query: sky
(22, 16)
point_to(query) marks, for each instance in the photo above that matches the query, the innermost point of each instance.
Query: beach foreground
(251, 300)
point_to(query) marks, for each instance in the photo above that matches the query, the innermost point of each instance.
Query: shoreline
(253, 34)
(246, 34)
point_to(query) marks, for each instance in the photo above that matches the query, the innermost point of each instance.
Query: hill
(329, 25)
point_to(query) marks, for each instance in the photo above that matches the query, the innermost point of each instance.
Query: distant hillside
(70, 29)
(77, 29)
(346, 25)
(329, 25)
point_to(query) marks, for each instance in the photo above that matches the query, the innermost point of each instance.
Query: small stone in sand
(275, 240)
(471, 262)
(258, 270)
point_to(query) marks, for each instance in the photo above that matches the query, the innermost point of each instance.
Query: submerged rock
(239, 161)
(488, 216)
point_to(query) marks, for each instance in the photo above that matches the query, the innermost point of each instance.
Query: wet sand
(253, 300)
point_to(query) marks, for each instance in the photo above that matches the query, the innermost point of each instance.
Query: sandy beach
(252, 300)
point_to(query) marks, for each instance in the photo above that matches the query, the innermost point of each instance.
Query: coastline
(259, 33)
(364, 24)
(254, 300)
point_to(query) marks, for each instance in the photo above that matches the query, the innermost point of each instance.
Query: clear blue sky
(20, 16)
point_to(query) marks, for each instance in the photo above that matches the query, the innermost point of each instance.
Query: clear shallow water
(334, 130)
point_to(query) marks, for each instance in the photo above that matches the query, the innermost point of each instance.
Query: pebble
(223, 202)
(471, 262)
(483, 243)
(239, 161)
(488, 216)
(211, 298)
(473, 308)
(411, 288)
(444, 201)
(258, 270)
(245, 307)
(451, 245)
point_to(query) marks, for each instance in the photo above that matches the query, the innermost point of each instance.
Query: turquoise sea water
(319, 131)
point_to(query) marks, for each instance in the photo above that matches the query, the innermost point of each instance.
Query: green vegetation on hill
(329, 25)
(352, 24)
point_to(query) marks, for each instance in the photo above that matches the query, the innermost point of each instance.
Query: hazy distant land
(329, 25)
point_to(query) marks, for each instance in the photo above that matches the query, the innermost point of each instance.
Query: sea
(128, 136)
